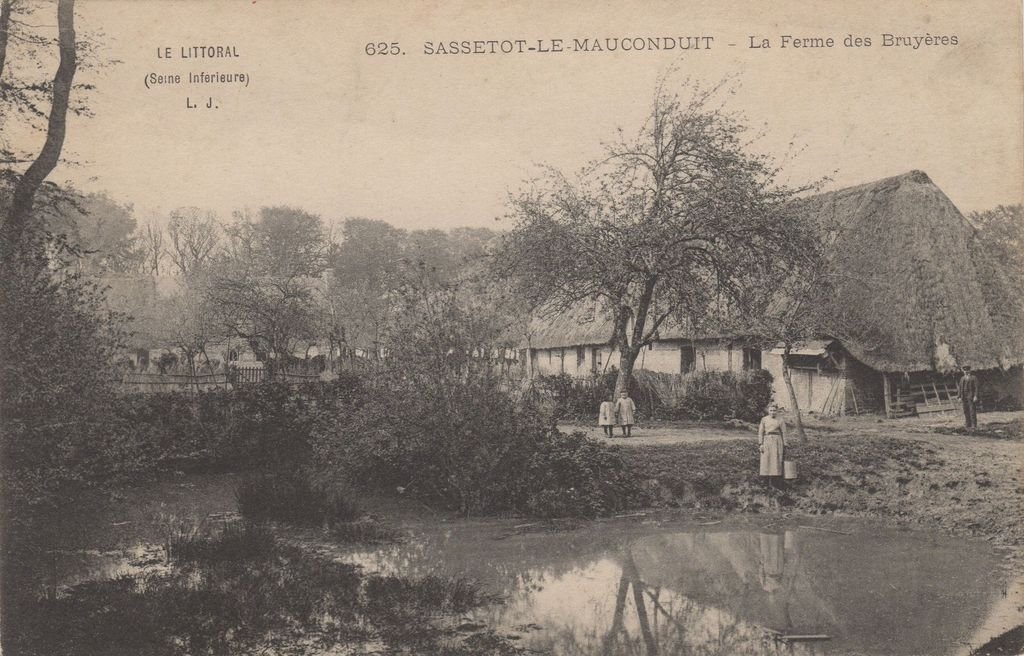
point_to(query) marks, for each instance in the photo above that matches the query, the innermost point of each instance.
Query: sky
(440, 140)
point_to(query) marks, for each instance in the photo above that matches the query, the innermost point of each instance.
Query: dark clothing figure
(967, 386)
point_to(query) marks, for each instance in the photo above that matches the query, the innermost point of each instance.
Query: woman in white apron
(771, 436)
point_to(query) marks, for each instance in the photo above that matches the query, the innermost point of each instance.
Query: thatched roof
(590, 324)
(586, 325)
(909, 298)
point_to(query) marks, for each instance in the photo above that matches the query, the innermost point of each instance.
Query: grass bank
(966, 485)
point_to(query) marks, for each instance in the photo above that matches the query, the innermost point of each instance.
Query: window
(751, 358)
(687, 359)
(581, 357)
(595, 359)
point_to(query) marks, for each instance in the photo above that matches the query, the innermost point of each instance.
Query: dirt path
(646, 435)
(939, 429)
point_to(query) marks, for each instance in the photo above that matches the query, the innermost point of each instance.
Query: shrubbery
(440, 424)
(697, 395)
(476, 450)
(573, 476)
(575, 398)
(714, 394)
(256, 426)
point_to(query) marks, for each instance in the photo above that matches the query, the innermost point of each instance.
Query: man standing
(968, 388)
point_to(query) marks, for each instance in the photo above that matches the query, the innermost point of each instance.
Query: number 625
(382, 48)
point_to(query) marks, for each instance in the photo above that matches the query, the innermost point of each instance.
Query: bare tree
(151, 243)
(194, 236)
(191, 325)
(682, 222)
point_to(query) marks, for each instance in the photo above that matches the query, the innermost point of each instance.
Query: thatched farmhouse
(911, 301)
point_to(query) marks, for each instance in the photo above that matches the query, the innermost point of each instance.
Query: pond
(647, 584)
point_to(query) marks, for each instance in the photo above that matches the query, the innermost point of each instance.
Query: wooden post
(886, 394)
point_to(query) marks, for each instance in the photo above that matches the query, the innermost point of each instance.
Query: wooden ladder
(935, 397)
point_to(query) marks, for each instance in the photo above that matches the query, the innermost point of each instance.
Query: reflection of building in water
(726, 593)
(639, 613)
(716, 593)
(668, 623)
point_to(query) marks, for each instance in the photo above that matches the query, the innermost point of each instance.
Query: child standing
(606, 417)
(624, 408)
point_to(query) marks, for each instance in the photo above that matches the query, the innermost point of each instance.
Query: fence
(250, 375)
(154, 383)
(188, 383)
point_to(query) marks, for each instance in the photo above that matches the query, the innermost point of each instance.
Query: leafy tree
(26, 44)
(101, 231)
(264, 285)
(375, 261)
(442, 423)
(365, 270)
(56, 356)
(682, 222)
(18, 218)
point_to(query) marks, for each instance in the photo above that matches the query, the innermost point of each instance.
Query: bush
(255, 426)
(719, 395)
(575, 398)
(473, 448)
(698, 395)
(574, 476)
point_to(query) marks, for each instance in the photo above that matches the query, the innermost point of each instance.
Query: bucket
(789, 470)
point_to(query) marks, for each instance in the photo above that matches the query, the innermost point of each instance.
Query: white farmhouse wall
(812, 388)
(717, 357)
(663, 358)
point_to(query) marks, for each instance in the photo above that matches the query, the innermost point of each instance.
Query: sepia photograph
(478, 328)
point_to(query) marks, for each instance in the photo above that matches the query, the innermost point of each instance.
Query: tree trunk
(5, 27)
(626, 362)
(25, 191)
(629, 348)
(787, 375)
(631, 572)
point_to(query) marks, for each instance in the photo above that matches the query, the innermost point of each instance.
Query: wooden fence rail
(154, 383)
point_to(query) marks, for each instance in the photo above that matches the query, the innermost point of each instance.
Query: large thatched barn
(910, 300)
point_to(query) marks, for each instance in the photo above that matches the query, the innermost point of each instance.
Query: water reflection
(627, 587)
(599, 591)
(668, 606)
